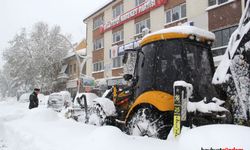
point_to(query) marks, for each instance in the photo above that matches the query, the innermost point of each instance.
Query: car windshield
(56, 96)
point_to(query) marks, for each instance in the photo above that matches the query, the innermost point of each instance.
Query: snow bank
(216, 136)
(41, 114)
(34, 131)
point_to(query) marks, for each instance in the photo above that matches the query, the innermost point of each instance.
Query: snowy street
(2, 145)
(43, 129)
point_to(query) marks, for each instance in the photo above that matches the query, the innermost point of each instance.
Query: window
(183, 11)
(98, 22)
(99, 66)
(222, 1)
(211, 2)
(216, 2)
(118, 10)
(70, 69)
(98, 44)
(118, 36)
(117, 62)
(139, 2)
(176, 13)
(169, 16)
(141, 25)
(222, 39)
(223, 36)
(74, 68)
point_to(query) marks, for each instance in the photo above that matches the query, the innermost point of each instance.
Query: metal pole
(182, 93)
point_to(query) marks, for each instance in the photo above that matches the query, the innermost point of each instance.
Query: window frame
(139, 2)
(184, 4)
(97, 22)
(117, 62)
(220, 45)
(115, 9)
(96, 42)
(98, 66)
(70, 69)
(171, 10)
(217, 2)
(144, 23)
(117, 33)
(74, 68)
(178, 10)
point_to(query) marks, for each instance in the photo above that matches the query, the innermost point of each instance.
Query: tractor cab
(177, 53)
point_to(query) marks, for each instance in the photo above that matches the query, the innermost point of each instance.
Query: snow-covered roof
(69, 54)
(82, 51)
(177, 32)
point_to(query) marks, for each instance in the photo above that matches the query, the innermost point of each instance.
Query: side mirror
(127, 77)
(125, 58)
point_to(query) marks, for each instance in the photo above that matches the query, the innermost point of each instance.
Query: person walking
(34, 102)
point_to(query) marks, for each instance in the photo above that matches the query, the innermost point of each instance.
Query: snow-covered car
(97, 109)
(89, 96)
(60, 100)
(24, 98)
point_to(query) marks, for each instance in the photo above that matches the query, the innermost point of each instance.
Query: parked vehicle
(59, 101)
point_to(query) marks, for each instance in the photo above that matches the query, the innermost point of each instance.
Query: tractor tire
(97, 115)
(150, 122)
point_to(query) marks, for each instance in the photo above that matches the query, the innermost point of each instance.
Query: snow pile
(41, 114)
(216, 136)
(25, 98)
(34, 132)
(206, 107)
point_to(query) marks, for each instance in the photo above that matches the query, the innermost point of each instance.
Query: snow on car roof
(177, 32)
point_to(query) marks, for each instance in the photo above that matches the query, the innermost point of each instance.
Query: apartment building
(223, 18)
(119, 24)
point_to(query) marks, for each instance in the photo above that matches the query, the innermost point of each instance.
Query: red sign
(145, 7)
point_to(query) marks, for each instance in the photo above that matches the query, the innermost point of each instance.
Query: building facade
(120, 23)
(70, 71)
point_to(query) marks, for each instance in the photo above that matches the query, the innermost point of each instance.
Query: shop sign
(140, 10)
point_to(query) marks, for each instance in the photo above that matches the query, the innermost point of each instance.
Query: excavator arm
(234, 69)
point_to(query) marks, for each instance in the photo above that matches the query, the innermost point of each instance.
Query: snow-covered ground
(43, 129)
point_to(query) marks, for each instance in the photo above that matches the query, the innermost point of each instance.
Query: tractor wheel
(150, 122)
(97, 115)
